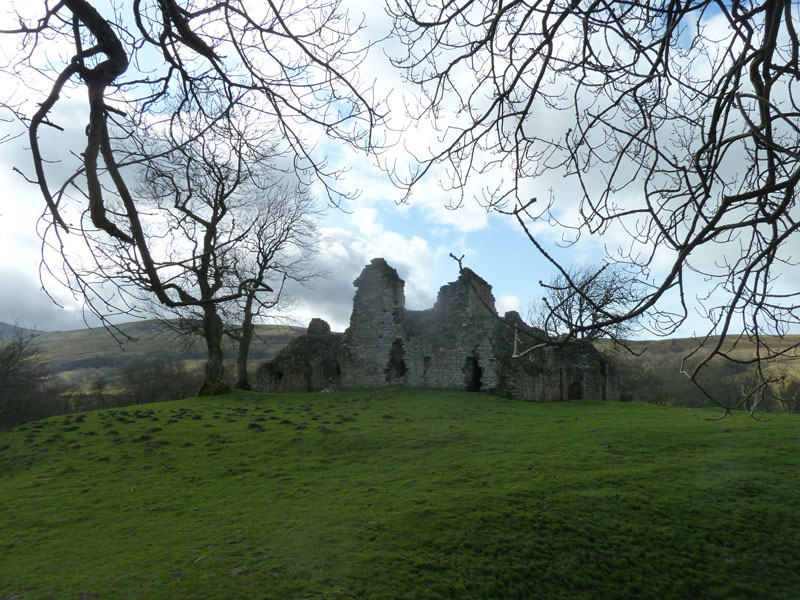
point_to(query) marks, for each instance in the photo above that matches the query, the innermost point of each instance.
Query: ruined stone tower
(372, 348)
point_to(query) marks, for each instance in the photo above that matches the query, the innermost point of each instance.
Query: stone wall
(372, 349)
(459, 338)
(460, 343)
(308, 363)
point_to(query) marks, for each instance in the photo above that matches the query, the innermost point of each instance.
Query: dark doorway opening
(575, 390)
(332, 373)
(396, 367)
(472, 374)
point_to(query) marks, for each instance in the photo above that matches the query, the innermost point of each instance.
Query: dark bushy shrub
(159, 380)
(24, 392)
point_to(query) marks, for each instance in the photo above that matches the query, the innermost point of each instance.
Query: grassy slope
(743, 348)
(399, 495)
(673, 349)
(152, 339)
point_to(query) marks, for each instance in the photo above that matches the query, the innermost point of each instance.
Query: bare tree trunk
(241, 357)
(215, 368)
(244, 344)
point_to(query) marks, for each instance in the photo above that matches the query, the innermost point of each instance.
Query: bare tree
(18, 366)
(275, 247)
(188, 68)
(23, 379)
(221, 227)
(281, 241)
(579, 304)
(678, 121)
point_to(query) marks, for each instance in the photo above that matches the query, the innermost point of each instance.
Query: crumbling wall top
(318, 327)
(378, 270)
(470, 294)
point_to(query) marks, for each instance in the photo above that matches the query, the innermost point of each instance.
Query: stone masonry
(460, 343)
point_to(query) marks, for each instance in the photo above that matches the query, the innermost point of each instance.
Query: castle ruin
(460, 343)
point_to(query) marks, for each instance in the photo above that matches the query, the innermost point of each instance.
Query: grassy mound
(399, 495)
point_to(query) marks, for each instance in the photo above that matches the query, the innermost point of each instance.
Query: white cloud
(413, 257)
(414, 238)
(24, 303)
(344, 253)
(507, 303)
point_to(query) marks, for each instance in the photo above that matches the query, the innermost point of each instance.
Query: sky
(416, 237)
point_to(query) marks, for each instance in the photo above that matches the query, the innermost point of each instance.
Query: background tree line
(28, 391)
(44, 374)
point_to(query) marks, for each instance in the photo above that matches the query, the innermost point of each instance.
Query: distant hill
(743, 348)
(96, 347)
(7, 330)
(672, 350)
(655, 375)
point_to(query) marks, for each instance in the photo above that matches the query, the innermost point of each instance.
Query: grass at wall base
(399, 494)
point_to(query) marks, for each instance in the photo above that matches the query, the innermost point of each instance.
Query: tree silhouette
(191, 69)
(678, 120)
(224, 231)
(574, 305)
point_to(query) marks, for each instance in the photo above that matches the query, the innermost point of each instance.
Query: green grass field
(398, 494)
